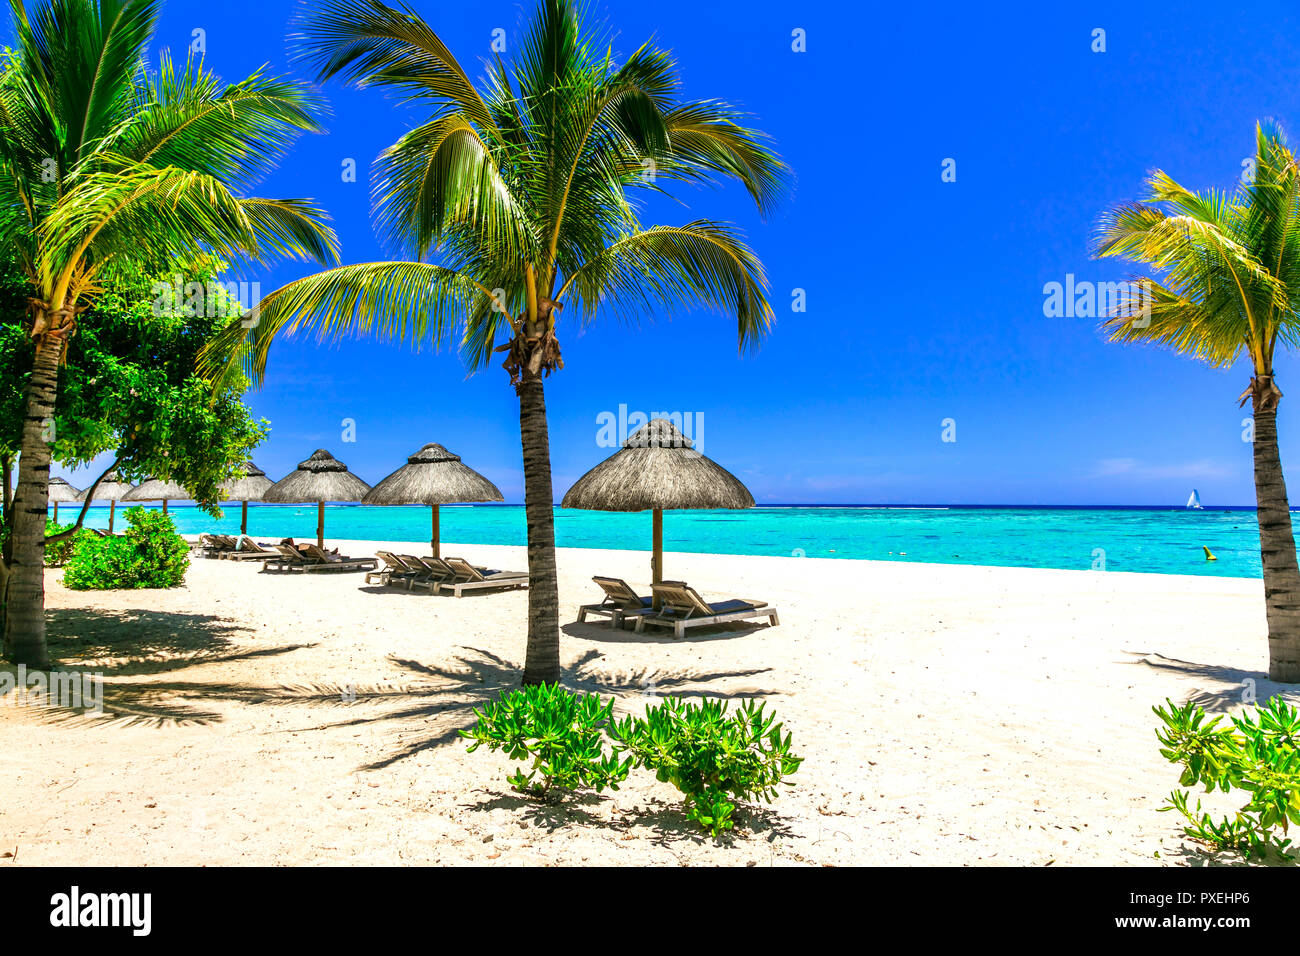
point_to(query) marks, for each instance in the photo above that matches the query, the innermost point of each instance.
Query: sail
(1195, 500)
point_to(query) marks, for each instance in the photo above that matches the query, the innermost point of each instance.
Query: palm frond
(408, 302)
(237, 132)
(441, 174)
(1225, 270)
(676, 268)
(369, 43)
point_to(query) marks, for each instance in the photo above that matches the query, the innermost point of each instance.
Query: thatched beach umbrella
(320, 478)
(657, 468)
(249, 488)
(60, 490)
(433, 476)
(111, 489)
(156, 489)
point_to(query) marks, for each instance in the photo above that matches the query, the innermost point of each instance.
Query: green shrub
(57, 554)
(712, 756)
(561, 732)
(1255, 753)
(149, 555)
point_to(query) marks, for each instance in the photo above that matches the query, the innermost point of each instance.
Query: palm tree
(1230, 289)
(99, 161)
(524, 183)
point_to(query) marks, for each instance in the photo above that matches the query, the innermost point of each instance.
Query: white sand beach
(947, 715)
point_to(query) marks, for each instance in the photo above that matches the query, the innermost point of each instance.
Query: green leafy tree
(129, 388)
(100, 162)
(1227, 287)
(524, 183)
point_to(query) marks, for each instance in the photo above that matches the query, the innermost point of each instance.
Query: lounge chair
(467, 577)
(620, 601)
(249, 550)
(682, 607)
(397, 569)
(288, 559)
(313, 558)
(208, 545)
(318, 559)
(430, 572)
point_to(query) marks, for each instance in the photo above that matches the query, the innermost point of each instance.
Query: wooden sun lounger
(214, 545)
(682, 607)
(249, 550)
(318, 559)
(397, 569)
(620, 601)
(432, 572)
(312, 558)
(467, 577)
(287, 559)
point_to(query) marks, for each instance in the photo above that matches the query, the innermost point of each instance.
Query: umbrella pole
(164, 506)
(434, 542)
(56, 512)
(112, 506)
(243, 518)
(320, 525)
(657, 558)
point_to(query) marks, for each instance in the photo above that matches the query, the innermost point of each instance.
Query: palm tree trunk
(25, 611)
(1276, 550)
(542, 661)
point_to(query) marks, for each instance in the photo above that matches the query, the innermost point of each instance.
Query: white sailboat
(1194, 501)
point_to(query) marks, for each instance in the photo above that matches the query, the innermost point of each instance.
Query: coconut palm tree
(1227, 287)
(523, 184)
(100, 162)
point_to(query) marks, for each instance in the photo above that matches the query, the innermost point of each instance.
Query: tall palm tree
(100, 161)
(1229, 288)
(523, 184)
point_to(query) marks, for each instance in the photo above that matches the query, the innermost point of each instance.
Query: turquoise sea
(1165, 540)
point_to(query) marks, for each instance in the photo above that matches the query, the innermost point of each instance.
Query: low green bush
(1256, 753)
(149, 555)
(559, 731)
(713, 756)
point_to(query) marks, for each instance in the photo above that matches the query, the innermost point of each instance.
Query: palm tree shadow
(97, 647)
(1235, 686)
(442, 698)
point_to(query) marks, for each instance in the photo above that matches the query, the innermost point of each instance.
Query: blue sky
(924, 298)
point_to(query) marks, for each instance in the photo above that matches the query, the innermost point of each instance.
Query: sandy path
(947, 714)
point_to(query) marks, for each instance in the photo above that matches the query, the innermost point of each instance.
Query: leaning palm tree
(523, 185)
(100, 162)
(1227, 287)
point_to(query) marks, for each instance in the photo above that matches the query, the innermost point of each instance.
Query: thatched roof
(433, 476)
(249, 488)
(110, 489)
(61, 491)
(322, 477)
(657, 467)
(155, 489)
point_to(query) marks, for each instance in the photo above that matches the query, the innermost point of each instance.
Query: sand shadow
(667, 822)
(549, 815)
(1191, 853)
(425, 593)
(1236, 686)
(101, 648)
(440, 699)
(604, 633)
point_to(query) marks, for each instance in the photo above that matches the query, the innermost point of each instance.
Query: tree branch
(90, 496)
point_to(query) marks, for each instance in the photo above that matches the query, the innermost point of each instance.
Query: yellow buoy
(1208, 555)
